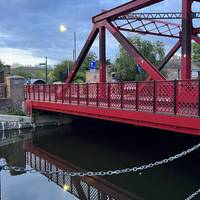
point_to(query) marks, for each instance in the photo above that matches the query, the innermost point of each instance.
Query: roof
(35, 81)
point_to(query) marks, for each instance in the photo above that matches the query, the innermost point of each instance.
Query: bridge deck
(169, 105)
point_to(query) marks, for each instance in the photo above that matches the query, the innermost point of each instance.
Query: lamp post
(63, 29)
(46, 70)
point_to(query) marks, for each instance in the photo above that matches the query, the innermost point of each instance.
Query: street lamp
(46, 70)
(63, 29)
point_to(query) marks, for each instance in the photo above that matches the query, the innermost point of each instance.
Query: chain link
(194, 195)
(104, 173)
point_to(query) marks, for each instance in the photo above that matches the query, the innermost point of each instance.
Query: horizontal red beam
(148, 33)
(124, 9)
(182, 124)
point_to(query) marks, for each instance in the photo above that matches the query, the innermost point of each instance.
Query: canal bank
(13, 122)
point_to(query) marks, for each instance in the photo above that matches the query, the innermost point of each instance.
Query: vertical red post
(122, 95)
(87, 98)
(38, 92)
(78, 95)
(70, 93)
(34, 92)
(102, 54)
(49, 93)
(43, 92)
(186, 39)
(62, 93)
(97, 87)
(29, 92)
(55, 92)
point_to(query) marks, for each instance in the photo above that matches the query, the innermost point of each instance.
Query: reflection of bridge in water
(86, 188)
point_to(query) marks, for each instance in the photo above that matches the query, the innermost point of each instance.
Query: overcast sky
(30, 28)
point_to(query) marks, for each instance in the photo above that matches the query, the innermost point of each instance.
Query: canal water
(90, 145)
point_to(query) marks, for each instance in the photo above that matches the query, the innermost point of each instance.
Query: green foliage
(23, 73)
(1, 65)
(61, 70)
(12, 110)
(195, 52)
(125, 66)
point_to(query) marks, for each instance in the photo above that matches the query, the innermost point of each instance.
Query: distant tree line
(124, 67)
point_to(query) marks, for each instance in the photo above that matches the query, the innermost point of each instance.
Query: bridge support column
(102, 54)
(186, 39)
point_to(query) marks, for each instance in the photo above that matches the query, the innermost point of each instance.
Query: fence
(179, 97)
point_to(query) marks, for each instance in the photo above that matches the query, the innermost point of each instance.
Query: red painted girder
(83, 54)
(148, 33)
(196, 30)
(151, 27)
(169, 55)
(196, 39)
(182, 124)
(124, 9)
(186, 39)
(102, 54)
(133, 52)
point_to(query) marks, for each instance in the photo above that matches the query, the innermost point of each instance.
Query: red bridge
(156, 102)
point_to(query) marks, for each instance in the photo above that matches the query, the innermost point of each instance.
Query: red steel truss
(123, 18)
(169, 105)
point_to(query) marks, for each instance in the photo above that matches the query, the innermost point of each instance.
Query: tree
(126, 68)
(1, 65)
(61, 70)
(195, 52)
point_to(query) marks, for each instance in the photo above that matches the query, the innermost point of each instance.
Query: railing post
(62, 93)
(87, 98)
(154, 96)
(122, 95)
(43, 92)
(97, 95)
(49, 93)
(199, 100)
(55, 92)
(29, 92)
(137, 97)
(70, 93)
(175, 97)
(38, 92)
(108, 95)
(78, 95)
(34, 92)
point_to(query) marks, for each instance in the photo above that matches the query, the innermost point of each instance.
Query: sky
(30, 28)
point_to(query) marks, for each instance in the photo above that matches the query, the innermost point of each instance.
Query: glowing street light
(63, 29)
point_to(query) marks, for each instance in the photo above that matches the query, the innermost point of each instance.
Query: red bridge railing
(179, 97)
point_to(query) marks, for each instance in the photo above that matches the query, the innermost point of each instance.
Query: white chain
(194, 195)
(111, 172)
(104, 173)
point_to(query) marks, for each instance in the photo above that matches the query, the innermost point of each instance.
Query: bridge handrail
(178, 97)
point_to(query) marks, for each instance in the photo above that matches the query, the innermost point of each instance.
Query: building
(174, 69)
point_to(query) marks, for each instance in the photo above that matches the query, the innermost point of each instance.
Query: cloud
(26, 57)
(32, 25)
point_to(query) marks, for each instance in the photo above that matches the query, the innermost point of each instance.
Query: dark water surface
(96, 145)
